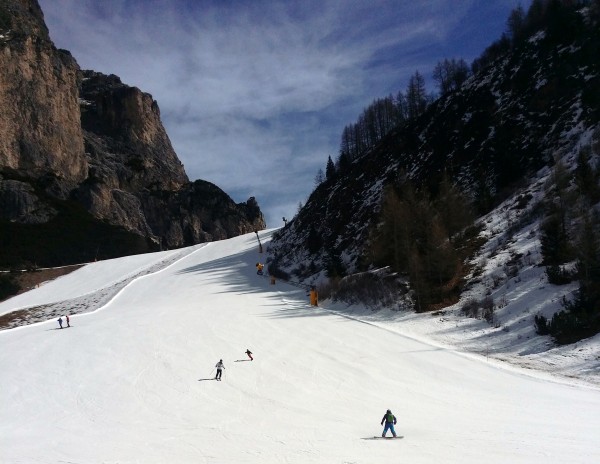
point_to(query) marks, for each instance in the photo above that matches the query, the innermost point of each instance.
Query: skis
(383, 438)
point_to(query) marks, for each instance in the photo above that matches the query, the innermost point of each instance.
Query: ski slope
(132, 382)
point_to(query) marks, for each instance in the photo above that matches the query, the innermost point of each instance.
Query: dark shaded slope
(536, 100)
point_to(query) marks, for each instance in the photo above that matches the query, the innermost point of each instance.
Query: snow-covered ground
(131, 382)
(95, 284)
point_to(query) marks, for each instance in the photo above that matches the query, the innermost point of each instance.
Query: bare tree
(450, 74)
(319, 178)
(416, 95)
(374, 123)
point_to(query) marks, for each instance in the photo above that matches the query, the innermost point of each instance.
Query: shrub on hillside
(580, 319)
(275, 271)
(477, 309)
(470, 308)
(487, 309)
(566, 327)
(541, 325)
(558, 275)
(373, 289)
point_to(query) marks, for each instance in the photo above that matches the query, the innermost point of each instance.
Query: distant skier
(220, 366)
(60, 322)
(259, 268)
(249, 353)
(389, 420)
(68, 322)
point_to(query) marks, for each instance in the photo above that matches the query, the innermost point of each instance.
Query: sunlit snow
(132, 382)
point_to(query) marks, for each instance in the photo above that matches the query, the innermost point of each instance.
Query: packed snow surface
(133, 382)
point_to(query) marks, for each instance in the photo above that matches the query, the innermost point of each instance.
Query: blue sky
(254, 94)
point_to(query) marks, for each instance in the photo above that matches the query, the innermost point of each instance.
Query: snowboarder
(60, 322)
(220, 368)
(68, 322)
(249, 353)
(389, 420)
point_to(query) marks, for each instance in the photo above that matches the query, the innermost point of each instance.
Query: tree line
(385, 114)
(560, 20)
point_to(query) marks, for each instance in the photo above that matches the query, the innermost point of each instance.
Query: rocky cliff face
(128, 150)
(135, 178)
(122, 124)
(40, 129)
(73, 137)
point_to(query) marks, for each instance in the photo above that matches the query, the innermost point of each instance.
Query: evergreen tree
(516, 23)
(586, 177)
(334, 267)
(329, 169)
(581, 317)
(594, 12)
(454, 208)
(343, 161)
(588, 250)
(554, 239)
(484, 197)
(555, 242)
(534, 19)
(314, 241)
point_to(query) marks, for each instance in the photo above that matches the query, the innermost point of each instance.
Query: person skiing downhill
(249, 353)
(389, 420)
(220, 366)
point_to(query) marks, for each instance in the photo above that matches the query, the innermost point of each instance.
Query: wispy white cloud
(254, 95)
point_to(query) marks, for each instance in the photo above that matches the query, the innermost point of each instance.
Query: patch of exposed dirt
(28, 280)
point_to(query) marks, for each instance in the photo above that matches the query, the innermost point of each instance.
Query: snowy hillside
(132, 381)
(517, 138)
(508, 273)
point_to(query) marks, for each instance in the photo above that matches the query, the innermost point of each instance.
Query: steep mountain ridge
(87, 169)
(532, 105)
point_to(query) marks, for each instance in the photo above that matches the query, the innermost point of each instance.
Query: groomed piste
(131, 382)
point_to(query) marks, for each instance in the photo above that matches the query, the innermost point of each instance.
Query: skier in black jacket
(220, 366)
